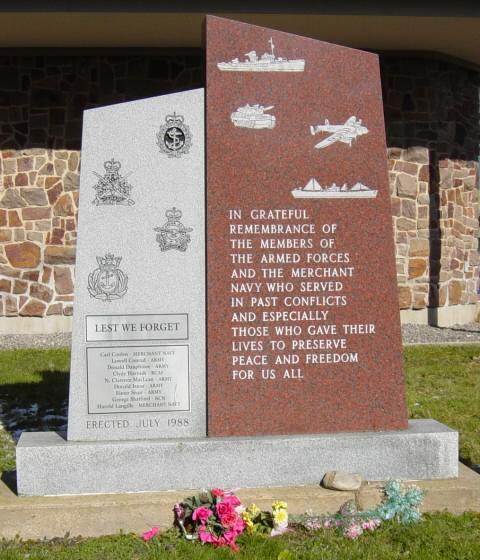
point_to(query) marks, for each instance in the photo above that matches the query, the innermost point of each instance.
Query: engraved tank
(253, 116)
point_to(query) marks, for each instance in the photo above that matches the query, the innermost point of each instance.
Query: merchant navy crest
(173, 234)
(108, 282)
(111, 187)
(174, 137)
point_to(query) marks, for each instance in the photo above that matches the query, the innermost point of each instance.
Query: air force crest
(174, 137)
(173, 234)
(107, 282)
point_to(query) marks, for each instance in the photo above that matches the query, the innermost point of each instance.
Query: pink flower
(328, 523)
(202, 514)
(217, 492)
(239, 525)
(226, 513)
(370, 525)
(232, 500)
(353, 531)
(205, 536)
(150, 534)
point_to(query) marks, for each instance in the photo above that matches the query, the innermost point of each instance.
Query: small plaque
(136, 327)
(138, 379)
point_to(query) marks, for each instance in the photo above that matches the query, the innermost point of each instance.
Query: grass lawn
(443, 382)
(437, 537)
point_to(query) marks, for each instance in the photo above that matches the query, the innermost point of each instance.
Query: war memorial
(231, 318)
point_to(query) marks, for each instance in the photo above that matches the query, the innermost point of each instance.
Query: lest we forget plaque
(138, 348)
(303, 320)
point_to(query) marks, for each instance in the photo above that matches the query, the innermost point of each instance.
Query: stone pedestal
(47, 464)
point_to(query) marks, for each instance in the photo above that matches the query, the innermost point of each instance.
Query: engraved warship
(314, 190)
(268, 62)
(253, 116)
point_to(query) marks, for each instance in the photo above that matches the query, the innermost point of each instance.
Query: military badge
(112, 188)
(174, 137)
(173, 234)
(107, 282)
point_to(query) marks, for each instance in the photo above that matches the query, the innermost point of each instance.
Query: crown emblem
(173, 214)
(111, 187)
(112, 165)
(173, 234)
(107, 282)
(174, 120)
(174, 138)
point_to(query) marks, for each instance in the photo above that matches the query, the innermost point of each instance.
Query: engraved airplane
(345, 133)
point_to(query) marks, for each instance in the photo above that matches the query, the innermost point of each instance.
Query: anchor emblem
(174, 137)
(107, 282)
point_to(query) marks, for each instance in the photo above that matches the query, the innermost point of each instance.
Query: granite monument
(304, 348)
(305, 325)
(138, 348)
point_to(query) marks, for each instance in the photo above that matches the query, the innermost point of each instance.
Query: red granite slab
(342, 380)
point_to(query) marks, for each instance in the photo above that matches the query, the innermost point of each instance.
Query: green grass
(33, 395)
(442, 383)
(438, 537)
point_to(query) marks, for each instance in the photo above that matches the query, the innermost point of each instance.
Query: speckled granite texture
(257, 169)
(49, 465)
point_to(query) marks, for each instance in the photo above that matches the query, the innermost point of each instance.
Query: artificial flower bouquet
(273, 523)
(213, 517)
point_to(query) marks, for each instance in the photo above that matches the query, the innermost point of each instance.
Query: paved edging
(106, 514)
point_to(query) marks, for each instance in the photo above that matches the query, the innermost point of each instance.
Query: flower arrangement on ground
(217, 517)
(272, 523)
(213, 517)
(399, 503)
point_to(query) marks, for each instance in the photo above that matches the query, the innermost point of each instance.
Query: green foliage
(439, 537)
(443, 382)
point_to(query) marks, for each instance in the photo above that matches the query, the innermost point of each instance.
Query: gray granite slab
(138, 343)
(49, 465)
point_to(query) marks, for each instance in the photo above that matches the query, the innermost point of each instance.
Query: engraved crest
(173, 234)
(107, 282)
(111, 187)
(174, 137)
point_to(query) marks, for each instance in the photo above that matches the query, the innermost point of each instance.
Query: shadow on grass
(39, 402)
(35, 405)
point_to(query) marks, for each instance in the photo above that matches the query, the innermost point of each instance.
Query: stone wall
(431, 111)
(38, 231)
(432, 120)
(41, 105)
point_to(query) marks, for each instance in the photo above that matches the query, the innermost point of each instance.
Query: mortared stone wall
(431, 112)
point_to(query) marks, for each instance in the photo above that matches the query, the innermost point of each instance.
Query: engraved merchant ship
(253, 116)
(314, 190)
(268, 62)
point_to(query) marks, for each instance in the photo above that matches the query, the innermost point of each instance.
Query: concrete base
(107, 514)
(35, 325)
(441, 316)
(49, 465)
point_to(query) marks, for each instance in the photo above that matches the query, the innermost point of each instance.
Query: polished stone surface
(138, 343)
(298, 207)
(49, 465)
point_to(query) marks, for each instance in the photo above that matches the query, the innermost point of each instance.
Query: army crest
(111, 187)
(173, 234)
(107, 282)
(174, 137)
